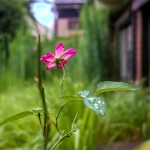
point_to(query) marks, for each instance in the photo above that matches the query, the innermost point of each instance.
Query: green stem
(64, 105)
(72, 126)
(61, 138)
(62, 83)
(56, 124)
(39, 116)
(67, 135)
(46, 127)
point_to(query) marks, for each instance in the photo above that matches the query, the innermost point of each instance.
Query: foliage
(22, 65)
(96, 33)
(22, 59)
(122, 118)
(54, 119)
(12, 28)
(11, 15)
(23, 51)
(126, 118)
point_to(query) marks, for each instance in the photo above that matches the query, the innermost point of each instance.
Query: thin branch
(72, 126)
(39, 117)
(61, 138)
(62, 83)
(64, 105)
(46, 127)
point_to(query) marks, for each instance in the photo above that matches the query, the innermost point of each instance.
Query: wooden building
(132, 21)
(67, 16)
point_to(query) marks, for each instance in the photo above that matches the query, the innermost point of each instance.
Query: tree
(11, 18)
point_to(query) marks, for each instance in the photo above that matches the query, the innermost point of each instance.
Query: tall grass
(22, 64)
(20, 134)
(127, 117)
(95, 25)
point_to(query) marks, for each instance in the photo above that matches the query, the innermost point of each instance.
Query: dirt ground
(120, 146)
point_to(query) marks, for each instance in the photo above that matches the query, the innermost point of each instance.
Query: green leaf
(95, 103)
(83, 94)
(108, 86)
(16, 117)
(37, 110)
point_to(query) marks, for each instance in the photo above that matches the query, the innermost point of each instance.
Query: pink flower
(60, 57)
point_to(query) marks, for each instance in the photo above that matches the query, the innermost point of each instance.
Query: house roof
(69, 1)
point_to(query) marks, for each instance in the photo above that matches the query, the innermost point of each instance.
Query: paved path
(120, 146)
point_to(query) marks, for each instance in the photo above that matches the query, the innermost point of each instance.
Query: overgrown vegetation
(127, 116)
(12, 16)
(97, 43)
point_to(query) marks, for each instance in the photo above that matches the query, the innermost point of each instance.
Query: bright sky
(42, 13)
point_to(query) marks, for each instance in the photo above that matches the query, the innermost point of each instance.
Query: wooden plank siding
(137, 16)
(138, 46)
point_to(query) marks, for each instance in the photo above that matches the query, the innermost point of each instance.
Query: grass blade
(16, 117)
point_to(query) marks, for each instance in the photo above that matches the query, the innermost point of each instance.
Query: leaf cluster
(11, 16)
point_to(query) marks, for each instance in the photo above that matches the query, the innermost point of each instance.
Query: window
(68, 12)
(126, 53)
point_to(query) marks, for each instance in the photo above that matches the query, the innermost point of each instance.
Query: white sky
(42, 13)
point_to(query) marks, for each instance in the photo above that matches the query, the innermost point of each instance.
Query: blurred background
(112, 39)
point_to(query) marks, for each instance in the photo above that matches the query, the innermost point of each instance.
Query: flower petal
(69, 53)
(63, 62)
(50, 66)
(48, 58)
(59, 50)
